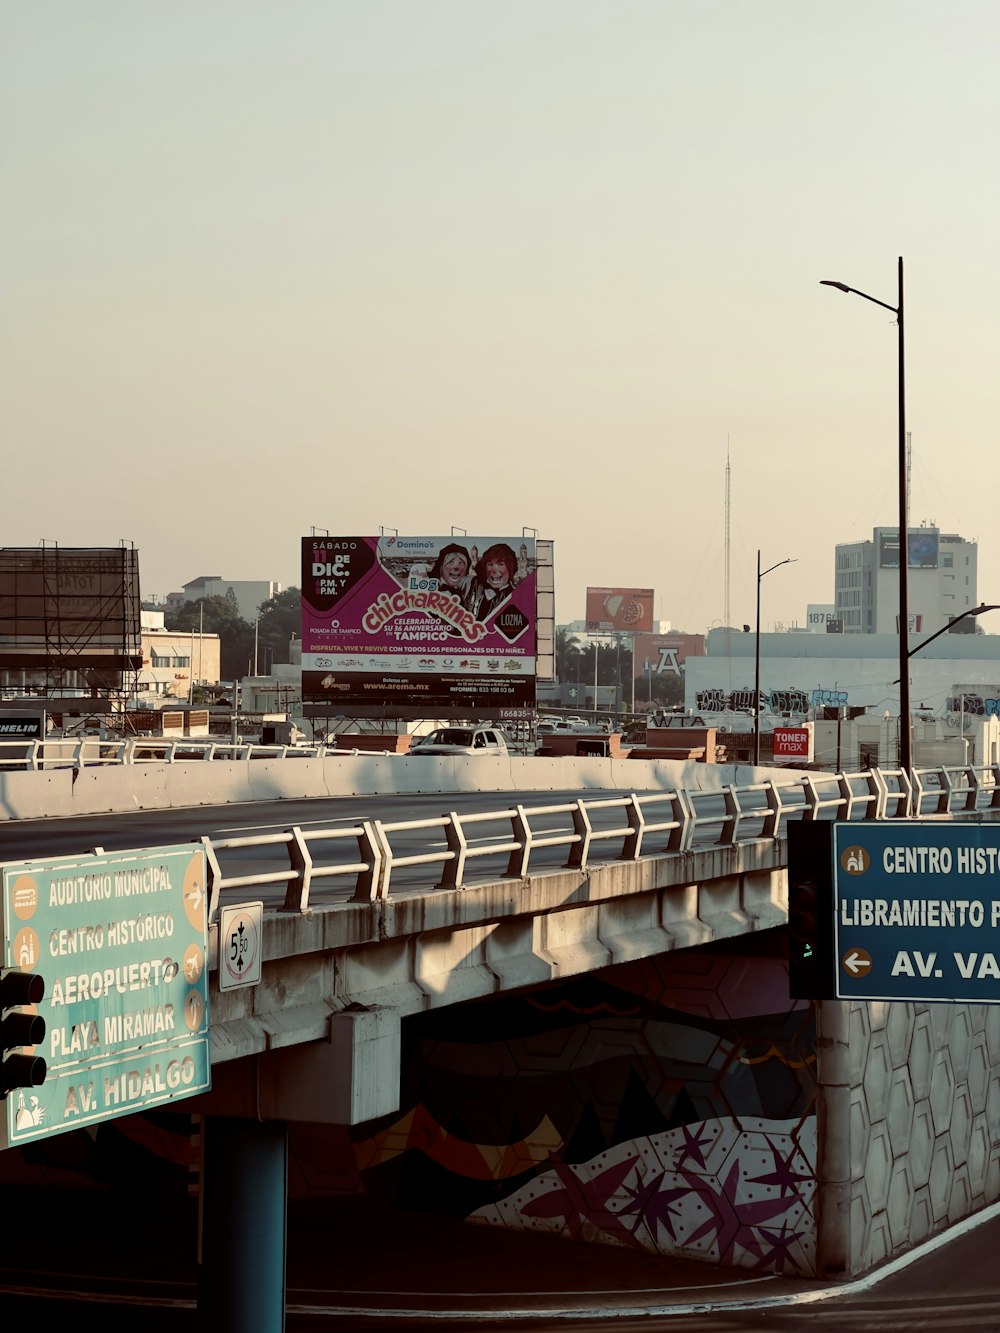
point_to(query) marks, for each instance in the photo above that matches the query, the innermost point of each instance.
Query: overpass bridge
(892, 1134)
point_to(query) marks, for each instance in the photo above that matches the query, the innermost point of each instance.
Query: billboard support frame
(70, 612)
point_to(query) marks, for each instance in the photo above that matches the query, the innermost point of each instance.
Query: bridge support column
(243, 1226)
(833, 1145)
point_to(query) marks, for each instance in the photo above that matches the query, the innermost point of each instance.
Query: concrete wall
(936, 742)
(909, 1125)
(58, 793)
(859, 670)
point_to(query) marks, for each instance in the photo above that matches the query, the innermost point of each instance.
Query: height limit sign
(240, 937)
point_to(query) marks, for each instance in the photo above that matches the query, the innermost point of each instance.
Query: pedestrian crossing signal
(21, 1029)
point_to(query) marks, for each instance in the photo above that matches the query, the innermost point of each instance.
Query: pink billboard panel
(418, 626)
(619, 610)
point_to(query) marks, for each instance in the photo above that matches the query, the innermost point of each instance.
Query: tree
(664, 689)
(569, 656)
(280, 621)
(217, 615)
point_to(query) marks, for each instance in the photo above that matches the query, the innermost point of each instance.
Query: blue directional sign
(120, 941)
(917, 906)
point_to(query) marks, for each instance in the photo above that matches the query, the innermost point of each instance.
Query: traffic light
(804, 908)
(811, 962)
(18, 1069)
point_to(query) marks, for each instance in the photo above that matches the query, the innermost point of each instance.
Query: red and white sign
(792, 743)
(610, 610)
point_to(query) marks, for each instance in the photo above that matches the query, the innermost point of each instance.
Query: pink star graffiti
(783, 1175)
(732, 1223)
(583, 1203)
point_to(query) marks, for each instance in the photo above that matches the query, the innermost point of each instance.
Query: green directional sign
(120, 941)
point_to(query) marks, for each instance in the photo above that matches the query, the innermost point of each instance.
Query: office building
(247, 594)
(941, 582)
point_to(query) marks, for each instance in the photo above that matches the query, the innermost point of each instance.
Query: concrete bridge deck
(906, 1103)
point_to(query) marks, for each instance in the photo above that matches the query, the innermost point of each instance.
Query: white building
(940, 581)
(802, 675)
(174, 661)
(248, 593)
(818, 616)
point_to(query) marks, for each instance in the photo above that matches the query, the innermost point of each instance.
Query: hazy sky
(266, 267)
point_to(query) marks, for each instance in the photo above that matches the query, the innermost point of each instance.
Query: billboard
(888, 548)
(922, 548)
(419, 627)
(619, 610)
(70, 608)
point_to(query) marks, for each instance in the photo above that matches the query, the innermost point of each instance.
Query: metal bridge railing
(641, 824)
(92, 751)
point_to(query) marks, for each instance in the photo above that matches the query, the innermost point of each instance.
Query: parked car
(461, 740)
(557, 727)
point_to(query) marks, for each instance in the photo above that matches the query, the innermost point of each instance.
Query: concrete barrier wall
(110, 788)
(36, 795)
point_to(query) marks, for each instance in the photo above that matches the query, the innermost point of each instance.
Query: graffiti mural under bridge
(666, 1105)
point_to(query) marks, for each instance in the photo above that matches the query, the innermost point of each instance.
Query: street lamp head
(791, 560)
(840, 286)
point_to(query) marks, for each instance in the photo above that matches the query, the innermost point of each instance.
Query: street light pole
(979, 610)
(756, 673)
(756, 659)
(905, 756)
